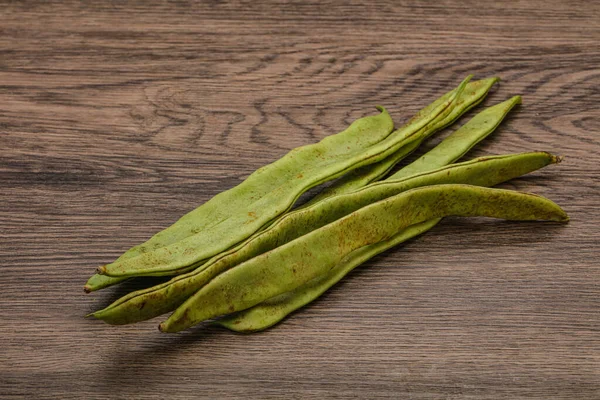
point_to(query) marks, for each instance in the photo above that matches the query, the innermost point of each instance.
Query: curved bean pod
(473, 94)
(240, 222)
(361, 134)
(297, 262)
(151, 302)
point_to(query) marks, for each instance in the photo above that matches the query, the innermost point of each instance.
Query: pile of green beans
(473, 94)
(245, 257)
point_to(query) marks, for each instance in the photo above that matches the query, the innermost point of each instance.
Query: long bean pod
(268, 313)
(237, 219)
(297, 262)
(461, 141)
(361, 134)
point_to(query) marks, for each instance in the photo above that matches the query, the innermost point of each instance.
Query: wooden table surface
(116, 119)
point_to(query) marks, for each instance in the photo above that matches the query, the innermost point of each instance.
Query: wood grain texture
(116, 118)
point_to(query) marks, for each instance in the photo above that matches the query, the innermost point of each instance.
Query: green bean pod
(461, 141)
(361, 134)
(473, 94)
(243, 219)
(268, 313)
(297, 262)
(271, 311)
(148, 303)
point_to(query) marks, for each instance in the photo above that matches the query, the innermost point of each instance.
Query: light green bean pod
(361, 134)
(473, 94)
(268, 313)
(297, 262)
(148, 303)
(271, 311)
(461, 141)
(239, 220)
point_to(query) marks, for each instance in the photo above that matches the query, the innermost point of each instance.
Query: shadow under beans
(131, 366)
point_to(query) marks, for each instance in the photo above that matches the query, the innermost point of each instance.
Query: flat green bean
(473, 94)
(151, 302)
(461, 141)
(361, 134)
(268, 313)
(271, 311)
(307, 257)
(243, 221)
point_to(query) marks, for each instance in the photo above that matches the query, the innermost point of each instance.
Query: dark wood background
(117, 118)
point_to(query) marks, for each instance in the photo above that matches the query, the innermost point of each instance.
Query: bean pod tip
(554, 159)
(491, 81)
